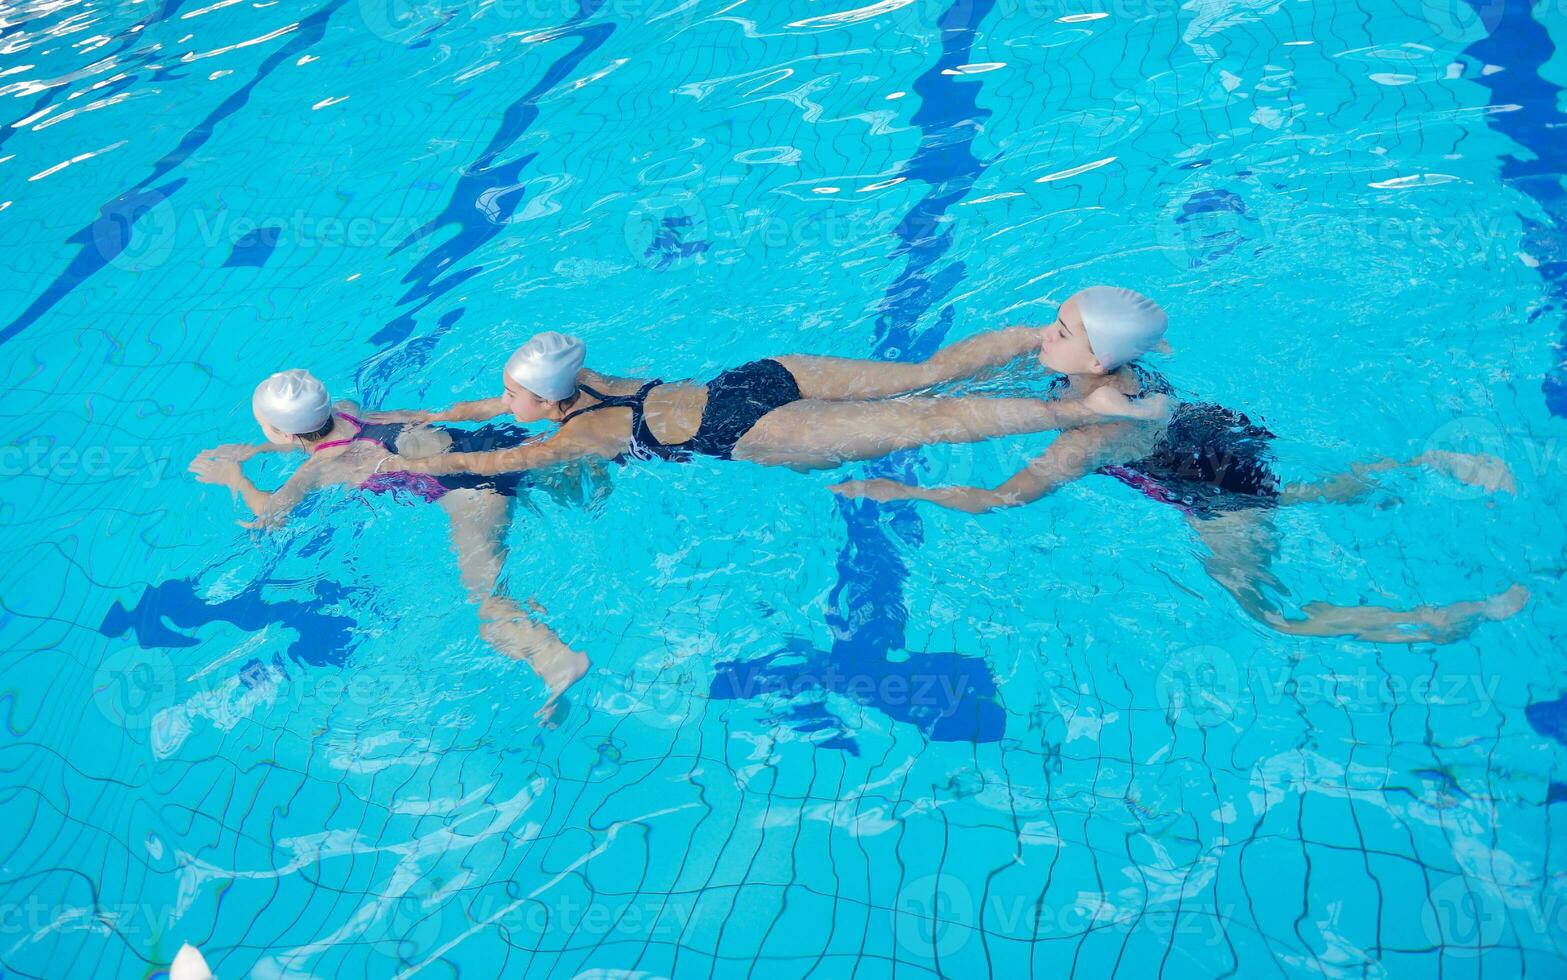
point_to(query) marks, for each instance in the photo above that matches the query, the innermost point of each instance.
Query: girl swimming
(798, 411)
(1212, 463)
(295, 412)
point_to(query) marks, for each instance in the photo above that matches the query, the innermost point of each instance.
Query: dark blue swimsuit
(736, 401)
(1209, 461)
(485, 439)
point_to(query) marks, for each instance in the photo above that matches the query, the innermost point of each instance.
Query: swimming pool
(817, 738)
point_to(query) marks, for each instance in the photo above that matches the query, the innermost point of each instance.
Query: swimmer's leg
(855, 379)
(818, 434)
(1475, 469)
(1241, 547)
(480, 519)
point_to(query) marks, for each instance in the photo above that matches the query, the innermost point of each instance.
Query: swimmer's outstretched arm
(270, 508)
(975, 355)
(854, 379)
(529, 456)
(238, 452)
(479, 410)
(278, 504)
(1073, 455)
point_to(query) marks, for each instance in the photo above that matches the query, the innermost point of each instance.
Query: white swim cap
(189, 964)
(293, 401)
(548, 364)
(1121, 325)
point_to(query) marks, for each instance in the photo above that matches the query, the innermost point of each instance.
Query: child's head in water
(1101, 329)
(541, 375)
(292, 405)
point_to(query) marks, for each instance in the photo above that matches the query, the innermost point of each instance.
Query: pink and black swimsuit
(1209, 461)
(424, 485)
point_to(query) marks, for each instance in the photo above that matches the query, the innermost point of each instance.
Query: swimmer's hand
(413, 416)
(1112, 404)
(236, 452)
(210, 468)
(878, 489)
(1476, 469)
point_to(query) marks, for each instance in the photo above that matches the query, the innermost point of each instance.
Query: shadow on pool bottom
(323, 639)
(950, 697)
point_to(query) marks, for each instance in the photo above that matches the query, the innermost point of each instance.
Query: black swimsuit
(1209, 461)
(736, 401)
(487, 438)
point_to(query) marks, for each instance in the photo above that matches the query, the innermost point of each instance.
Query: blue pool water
(817, 738)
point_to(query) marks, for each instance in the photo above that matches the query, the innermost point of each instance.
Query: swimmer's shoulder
(1126, 381)
(608, 384)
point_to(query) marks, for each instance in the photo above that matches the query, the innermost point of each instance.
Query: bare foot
(1507, 604)
(1458, 620)
(555, 711)
(559, 669)
(504, 627)
(1428, 624)
(1475, 469)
